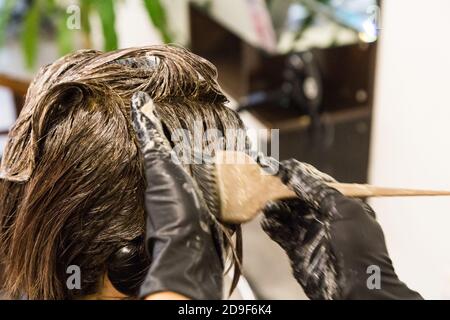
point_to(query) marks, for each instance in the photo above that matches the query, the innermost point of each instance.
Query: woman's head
(83, 198)
(72, 181)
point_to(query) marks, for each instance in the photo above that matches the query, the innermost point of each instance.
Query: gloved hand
(336, 247)
(178, 235)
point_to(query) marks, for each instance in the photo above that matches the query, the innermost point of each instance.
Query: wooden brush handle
(367, 190)
(356, 190)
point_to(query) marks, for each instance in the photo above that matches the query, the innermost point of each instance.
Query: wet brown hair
(71, 187)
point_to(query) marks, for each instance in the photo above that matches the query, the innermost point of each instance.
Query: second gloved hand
(336, 247)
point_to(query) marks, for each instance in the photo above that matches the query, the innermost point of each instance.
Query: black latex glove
(178, 235)
(335, 245)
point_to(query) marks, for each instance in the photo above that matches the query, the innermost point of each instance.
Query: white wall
(133, 25)
(411, 145)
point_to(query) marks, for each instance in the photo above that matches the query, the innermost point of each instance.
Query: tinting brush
(244, 188)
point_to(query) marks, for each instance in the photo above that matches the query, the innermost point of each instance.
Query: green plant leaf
(50, 5)
(30, 34)
(5, 16)
(64, 36)
(157, 14)
(86, 8)
(107, 14)
(58, 16)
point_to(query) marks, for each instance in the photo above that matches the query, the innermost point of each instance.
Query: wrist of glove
(178, 228)
(335, 245)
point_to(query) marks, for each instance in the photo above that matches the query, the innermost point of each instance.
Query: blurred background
(358, 88)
